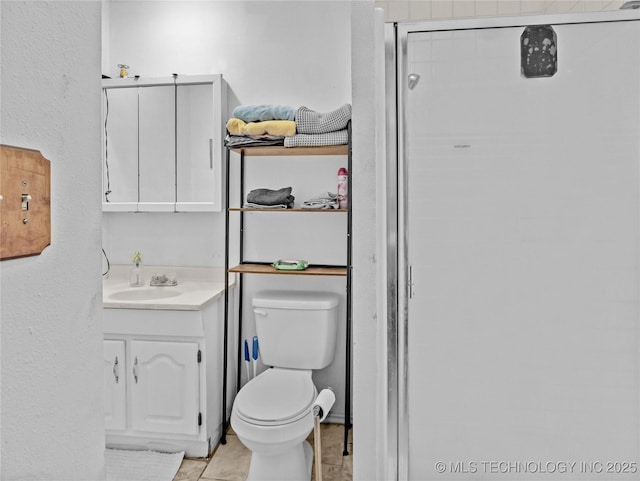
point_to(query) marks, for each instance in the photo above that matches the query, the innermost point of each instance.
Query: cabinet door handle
(116, 370)
(211, 154)
(135, 369)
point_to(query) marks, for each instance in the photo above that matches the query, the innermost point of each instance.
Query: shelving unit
(264, 268)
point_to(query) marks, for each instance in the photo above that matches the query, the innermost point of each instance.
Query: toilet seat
(276, 397)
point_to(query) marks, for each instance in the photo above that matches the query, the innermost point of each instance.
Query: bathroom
(47, 349)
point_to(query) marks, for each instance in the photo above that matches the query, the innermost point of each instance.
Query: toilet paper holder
(323, 403)
(321, 407)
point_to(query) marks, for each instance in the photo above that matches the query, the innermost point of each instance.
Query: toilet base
(293, 465)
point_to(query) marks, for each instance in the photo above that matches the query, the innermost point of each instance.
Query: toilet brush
(254, 354)
(321, 407)
(247, 360)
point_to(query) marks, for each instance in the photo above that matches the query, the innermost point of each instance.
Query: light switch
(25, 204)
(25, 201)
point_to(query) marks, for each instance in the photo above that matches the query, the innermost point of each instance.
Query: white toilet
(272, 414)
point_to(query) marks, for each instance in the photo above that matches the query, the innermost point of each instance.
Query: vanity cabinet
(162, 378)
(162, 143)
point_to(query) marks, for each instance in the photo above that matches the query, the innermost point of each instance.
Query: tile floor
(231, 461)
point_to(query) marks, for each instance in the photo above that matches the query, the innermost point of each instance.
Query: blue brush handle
(246, 350)
(255, 348)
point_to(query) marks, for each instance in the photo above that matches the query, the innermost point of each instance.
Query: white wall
(369, 231)
(52, 417)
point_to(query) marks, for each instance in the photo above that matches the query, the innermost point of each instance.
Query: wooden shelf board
(268, 269)
(247, 209)
(281, 151)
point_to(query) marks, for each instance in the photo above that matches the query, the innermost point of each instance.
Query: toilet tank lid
(296, 299)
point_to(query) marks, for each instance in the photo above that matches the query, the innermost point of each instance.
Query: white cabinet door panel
(120, 149)
(115, 391)
(164, 381)
(199, 149)
(157, 148)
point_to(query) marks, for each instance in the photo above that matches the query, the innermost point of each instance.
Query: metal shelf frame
(246, 268)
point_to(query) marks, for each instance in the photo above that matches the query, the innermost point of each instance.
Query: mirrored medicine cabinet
(162, 143)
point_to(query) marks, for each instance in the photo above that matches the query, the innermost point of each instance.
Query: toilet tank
(296, 329)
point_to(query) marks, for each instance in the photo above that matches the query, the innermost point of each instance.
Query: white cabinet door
(115, 391)
(165, 391)
(198, 147)
(156, 144)
(120, 149)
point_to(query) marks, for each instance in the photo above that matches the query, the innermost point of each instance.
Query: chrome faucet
(163, 280)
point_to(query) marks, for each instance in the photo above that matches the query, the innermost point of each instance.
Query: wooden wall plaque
(25, 202)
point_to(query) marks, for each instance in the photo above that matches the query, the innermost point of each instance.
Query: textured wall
(52, 416)
(399, 10)
(369, 319)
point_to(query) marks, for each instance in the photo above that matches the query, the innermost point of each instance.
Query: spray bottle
(343, 195)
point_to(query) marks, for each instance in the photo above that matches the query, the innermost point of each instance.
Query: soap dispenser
(136, 278)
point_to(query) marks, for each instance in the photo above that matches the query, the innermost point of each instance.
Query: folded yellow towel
(235, 126)
(283, 128)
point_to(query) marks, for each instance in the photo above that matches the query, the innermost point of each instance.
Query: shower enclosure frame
(398, 268)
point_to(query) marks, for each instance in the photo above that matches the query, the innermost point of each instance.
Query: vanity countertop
(197, 286)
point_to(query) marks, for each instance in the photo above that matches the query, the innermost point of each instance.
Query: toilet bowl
(272, 416)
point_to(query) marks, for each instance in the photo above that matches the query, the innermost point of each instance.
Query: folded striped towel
(340, 137)
(311, 122)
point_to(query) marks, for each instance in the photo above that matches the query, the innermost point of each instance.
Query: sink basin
(145, 294)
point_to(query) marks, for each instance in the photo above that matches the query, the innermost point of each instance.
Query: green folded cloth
(286, 265)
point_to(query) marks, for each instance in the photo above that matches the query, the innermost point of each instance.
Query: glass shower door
(521, 221)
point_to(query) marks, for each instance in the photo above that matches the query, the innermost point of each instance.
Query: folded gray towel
(341, 137)
(311, 122)
(271, 197)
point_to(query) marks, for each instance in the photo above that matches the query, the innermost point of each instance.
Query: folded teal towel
(259, 113)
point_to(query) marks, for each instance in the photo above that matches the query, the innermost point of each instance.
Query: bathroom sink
(145, 294)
